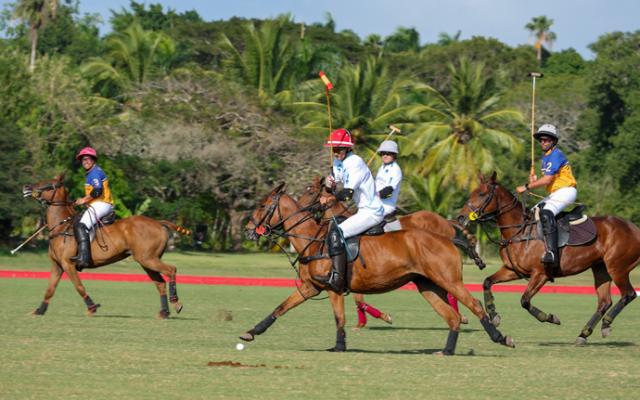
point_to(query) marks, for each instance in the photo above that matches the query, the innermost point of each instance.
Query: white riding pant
(558, 200)
(94, 212)
(360, 222)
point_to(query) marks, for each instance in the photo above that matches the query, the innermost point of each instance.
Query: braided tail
(467, 241)
(177, 228)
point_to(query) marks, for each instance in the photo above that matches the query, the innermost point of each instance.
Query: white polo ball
(239, 346)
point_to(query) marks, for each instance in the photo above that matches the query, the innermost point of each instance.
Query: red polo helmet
(87, 151)
(340, 138)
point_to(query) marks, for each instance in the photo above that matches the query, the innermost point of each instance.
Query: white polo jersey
(354, 174)
(389, 175)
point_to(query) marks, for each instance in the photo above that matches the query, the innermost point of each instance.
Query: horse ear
(493, 177)
(60, 176)
(481, 177)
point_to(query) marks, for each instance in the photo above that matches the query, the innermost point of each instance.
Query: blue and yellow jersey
(97, 179)
(556, 164)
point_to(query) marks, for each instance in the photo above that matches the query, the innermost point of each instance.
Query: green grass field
(124, 352)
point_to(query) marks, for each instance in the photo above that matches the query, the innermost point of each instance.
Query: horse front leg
(54, 278)
(537, 281)
(304, 292)
(502, 275)
(71, 271)
(337, 303)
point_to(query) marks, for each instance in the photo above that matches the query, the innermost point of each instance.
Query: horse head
(263, 218)
(47, 192)
(484, 202)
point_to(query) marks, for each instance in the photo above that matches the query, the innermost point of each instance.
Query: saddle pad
(582, 233)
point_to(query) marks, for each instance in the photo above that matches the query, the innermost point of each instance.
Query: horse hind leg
(156, 264)
(161, 285)
(437, 297)
(628, 294)
(602, 282)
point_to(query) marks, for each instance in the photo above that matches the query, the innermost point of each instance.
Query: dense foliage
(195, 119)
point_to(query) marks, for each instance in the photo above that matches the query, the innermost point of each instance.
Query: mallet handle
(394, 129)
(14, 251)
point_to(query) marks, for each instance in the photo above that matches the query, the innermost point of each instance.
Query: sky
(577, 23)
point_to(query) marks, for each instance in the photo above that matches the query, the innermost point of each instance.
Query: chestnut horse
(611, 256)
(431, 261)
(141, 237)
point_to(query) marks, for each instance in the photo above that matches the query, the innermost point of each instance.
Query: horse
(612, 255)
(422, 219)
(430, 261)
(141, 237)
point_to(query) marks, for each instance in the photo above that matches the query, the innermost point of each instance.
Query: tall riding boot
(83, 259)
(550, 258)
(336, 278)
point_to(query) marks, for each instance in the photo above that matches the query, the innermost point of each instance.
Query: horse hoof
(178, 306)
(386, 318)
(496, 320)
(163, 314)
(606, 332)
(91, 311)
(443, 353)
(247, 337)
(509, 342)
(37, 312)
(553, 319)
(464, 320)
(337, 349)
(581, 341)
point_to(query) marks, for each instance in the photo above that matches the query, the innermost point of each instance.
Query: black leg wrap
(263, 325)
(42, 309)
(341, 341)
(588, 328)
(164, 304)
(492, 331)
(173, 292)
(452, 341)
(611, 315)
(91, 306)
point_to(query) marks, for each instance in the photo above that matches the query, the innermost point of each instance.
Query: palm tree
(36, 13)
(403, 39)
(445, 39)
(131, 57)
(266, 59)
(456, 136)
(366, 99)
(539, 28)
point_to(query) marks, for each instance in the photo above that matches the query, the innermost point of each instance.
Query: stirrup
(329, 281)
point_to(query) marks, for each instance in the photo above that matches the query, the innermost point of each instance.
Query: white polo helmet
(388, 146)
(547, 130)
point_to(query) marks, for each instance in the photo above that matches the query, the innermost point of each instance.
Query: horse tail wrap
(171, 226)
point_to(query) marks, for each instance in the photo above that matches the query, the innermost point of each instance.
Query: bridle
(36, 193)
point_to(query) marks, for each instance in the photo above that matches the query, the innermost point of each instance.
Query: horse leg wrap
(42, 309)
(540, 315)
(489, 304)
(263, 325)
(91, 306)
(452, 341)
(341, 340)
(492, 331)
(164, 304)
(588, 328)
(611, 315)
(173, 292)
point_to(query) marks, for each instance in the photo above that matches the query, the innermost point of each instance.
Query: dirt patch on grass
(235, 364)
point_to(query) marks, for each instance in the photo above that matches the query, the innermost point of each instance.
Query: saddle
(574, 227)
(352, 244)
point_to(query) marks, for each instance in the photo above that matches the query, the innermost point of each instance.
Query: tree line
(194, 120)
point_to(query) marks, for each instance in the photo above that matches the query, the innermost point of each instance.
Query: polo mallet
(14, 251)
(533, 76)
(328, 86)
(394, 129)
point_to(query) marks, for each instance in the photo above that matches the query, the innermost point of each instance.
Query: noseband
(479, 212)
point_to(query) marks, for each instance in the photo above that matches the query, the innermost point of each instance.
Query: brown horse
(425, 220)
(141, 237)
(611, 256)
(431, 261)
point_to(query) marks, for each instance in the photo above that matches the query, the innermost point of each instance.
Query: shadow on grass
(597, 344)
(468, 353)
(413, 328)
(144, 318)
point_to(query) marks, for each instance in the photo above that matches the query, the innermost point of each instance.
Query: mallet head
(535, 74)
